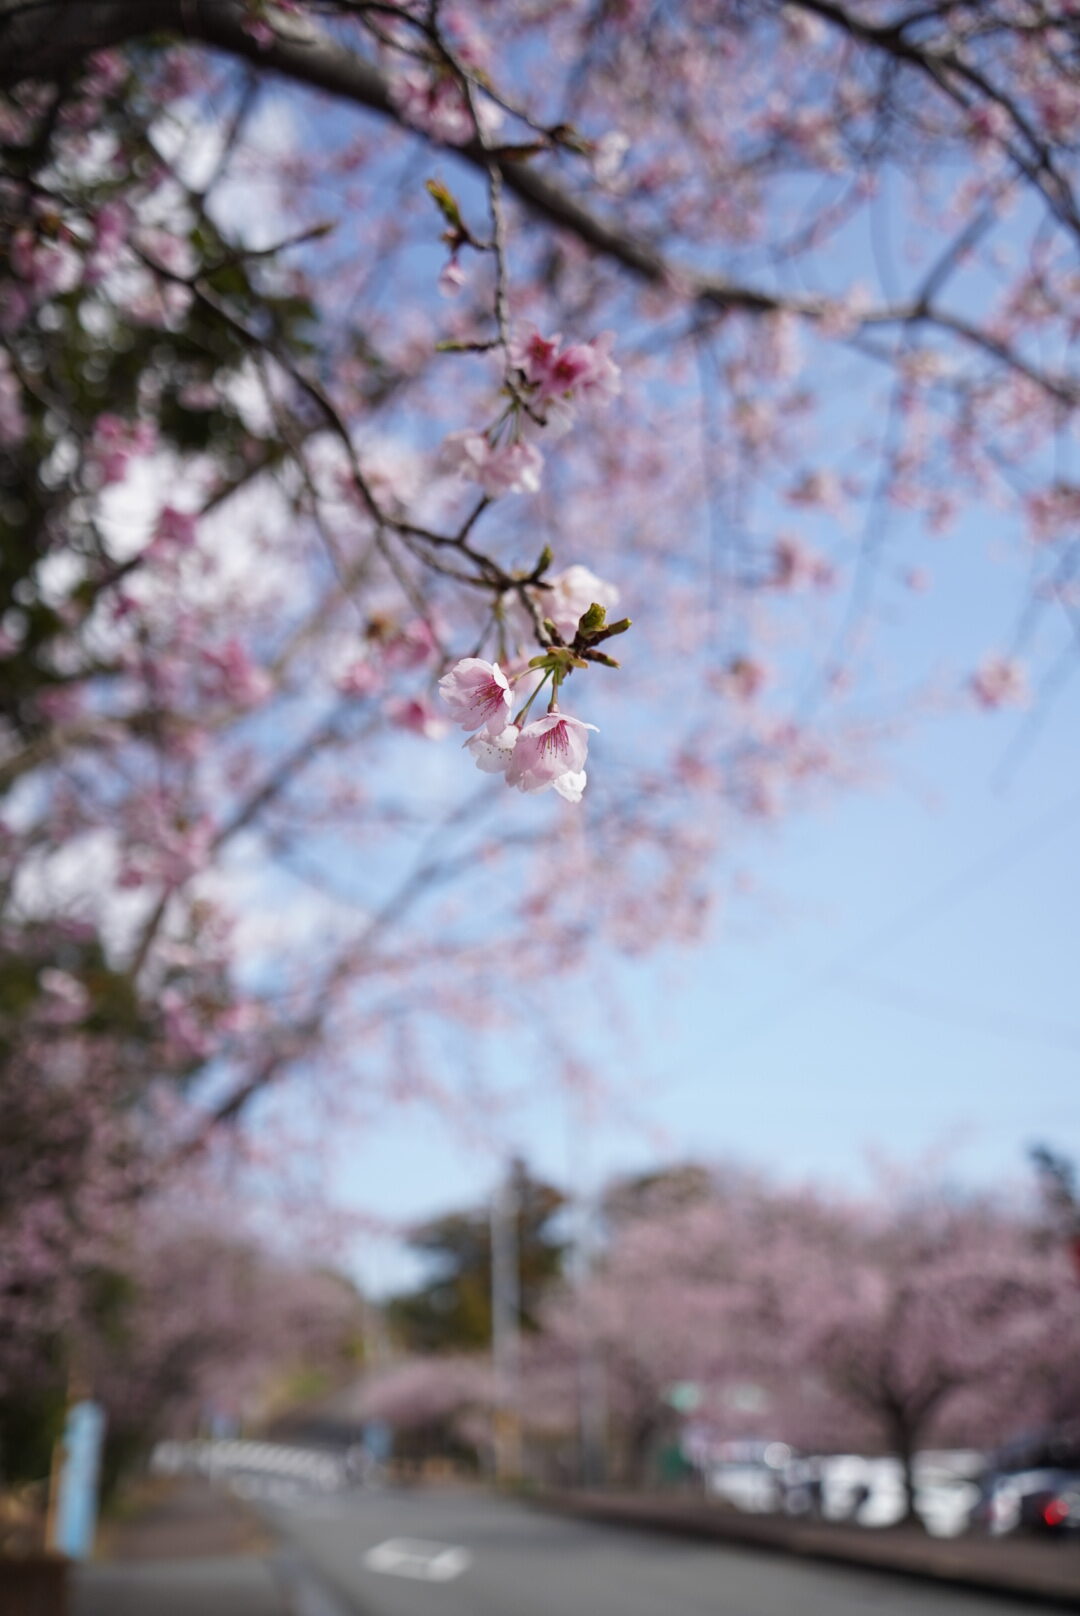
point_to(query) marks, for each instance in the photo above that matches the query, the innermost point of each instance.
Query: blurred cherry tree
(909, 1319)
(360, 363)
(177, 1328)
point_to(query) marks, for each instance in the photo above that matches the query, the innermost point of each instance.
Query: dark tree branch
(37, 39)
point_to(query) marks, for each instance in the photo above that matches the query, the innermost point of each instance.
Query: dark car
(1042, 1501)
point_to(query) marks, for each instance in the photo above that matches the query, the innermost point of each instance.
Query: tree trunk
(903, 1433)
(641, 1430)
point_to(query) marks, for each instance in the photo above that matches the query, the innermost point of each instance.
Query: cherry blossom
(477, 694)
(175, 528)
(451, 278)
(492, 752)
(412, 645)
(417, 715)
(436, 104)
(360, 678)
(744, 678)
(551, 751)
(1001, 682)
(558, 377)
(796, 566)
(513, 467)
(116, 442)
(570, 595)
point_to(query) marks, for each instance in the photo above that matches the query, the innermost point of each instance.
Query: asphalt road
(513, 1561)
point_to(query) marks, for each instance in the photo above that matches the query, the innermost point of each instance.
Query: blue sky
(901, 983)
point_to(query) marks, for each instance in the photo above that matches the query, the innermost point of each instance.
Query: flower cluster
(550, 751)
(549, 383)
(499, 468)
(115, 442)
(558, 378)
(435, 103)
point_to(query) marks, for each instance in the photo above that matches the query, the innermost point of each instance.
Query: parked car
(1044, 1501)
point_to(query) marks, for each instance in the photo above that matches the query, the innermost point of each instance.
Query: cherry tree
(672, 1298)
(203, 1326)
(887, 1324)
(171, 1323)
(438, 1405)
(360, 365)
(934, 1322)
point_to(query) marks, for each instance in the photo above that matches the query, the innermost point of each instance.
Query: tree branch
(37, 39)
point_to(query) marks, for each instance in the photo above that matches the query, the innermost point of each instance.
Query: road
(521, 1562)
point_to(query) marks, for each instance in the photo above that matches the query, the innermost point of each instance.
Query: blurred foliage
(452, 1310)
(666, 1188)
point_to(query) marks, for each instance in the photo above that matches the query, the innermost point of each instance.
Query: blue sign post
(77, 1492)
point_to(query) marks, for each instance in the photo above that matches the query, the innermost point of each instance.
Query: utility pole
(506, 1325)
(591, 1380)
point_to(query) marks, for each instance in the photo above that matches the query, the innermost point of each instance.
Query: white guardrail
(237, 1461)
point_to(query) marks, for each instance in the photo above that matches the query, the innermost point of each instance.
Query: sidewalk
(1047, 1573)
(186, 1550)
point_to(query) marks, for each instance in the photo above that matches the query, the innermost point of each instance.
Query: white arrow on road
(413, 1557)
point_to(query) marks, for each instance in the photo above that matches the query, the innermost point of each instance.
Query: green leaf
(446, 203)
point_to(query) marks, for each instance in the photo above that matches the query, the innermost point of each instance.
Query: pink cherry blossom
(596, 375)
(116, 441)
(509, 468)
(413, 645)
(571, 594)
(547, 751)
(67, 990)
(232, 676)
(360, 678)
(1054, 512)
(477, 694)
(175, 529)
(492, 753)
(435, 104)
(820, 488)
(743, 679)
(534, 355)
(451, 278)
(111, 229)
(46, 266)
(418, 715)
(1001, 682)
(513, 468)
(579, 371)
(796, 566)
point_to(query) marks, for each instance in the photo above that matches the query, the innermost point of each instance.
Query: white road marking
(413, 1557)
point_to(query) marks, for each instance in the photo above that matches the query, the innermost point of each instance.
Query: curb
(949, 1564)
